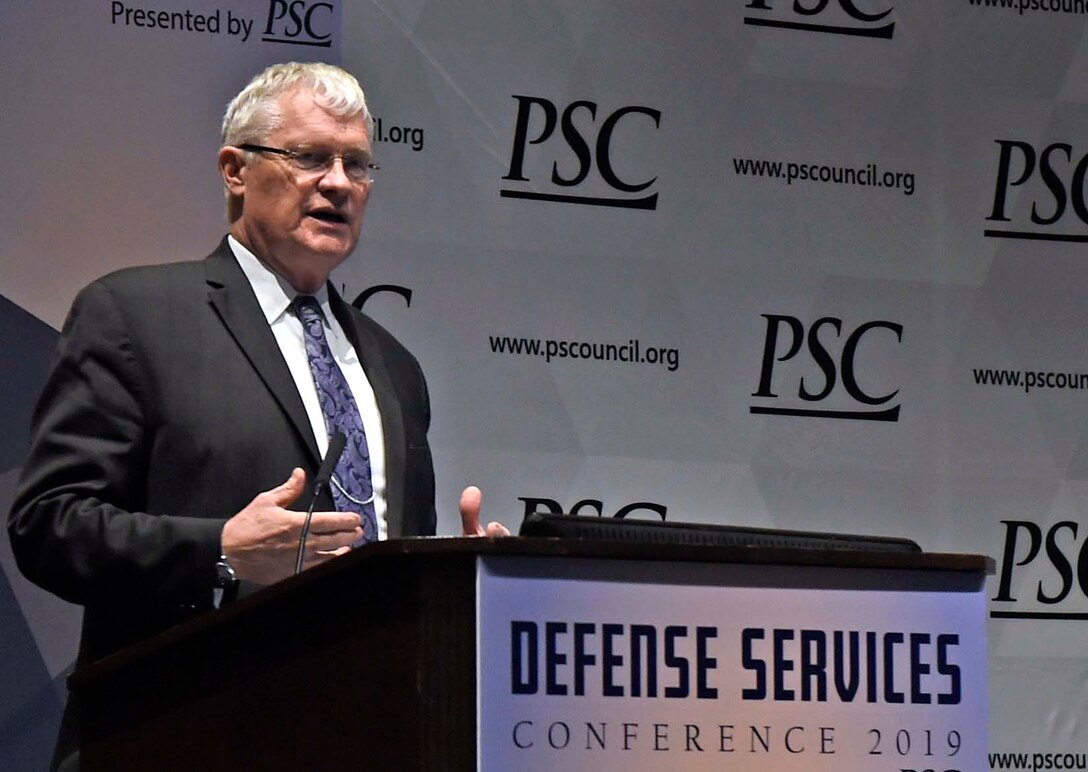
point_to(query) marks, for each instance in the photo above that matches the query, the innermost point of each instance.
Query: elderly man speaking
(190, 404)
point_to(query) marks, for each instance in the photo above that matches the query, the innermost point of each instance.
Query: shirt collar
(274, 293)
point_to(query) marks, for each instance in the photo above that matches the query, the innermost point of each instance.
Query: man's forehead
(300, 112)
(303, 102)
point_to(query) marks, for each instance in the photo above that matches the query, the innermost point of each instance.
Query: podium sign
(625, 665)
(548, 654)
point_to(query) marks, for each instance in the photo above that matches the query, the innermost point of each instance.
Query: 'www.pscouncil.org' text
(1030, 379)
(633, 351)
(796, 171)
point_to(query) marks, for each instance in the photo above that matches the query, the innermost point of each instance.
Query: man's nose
(335, 176)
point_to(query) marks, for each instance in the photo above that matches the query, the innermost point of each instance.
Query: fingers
(315, 556)
(471, 498)
(335, 522)
(470, 511)
(332, 534)
(331, 541)
(496, 529)
(287, 493)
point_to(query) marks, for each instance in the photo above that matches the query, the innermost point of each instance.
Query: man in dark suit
(182, 420)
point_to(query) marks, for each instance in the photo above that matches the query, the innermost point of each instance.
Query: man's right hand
(261, 541)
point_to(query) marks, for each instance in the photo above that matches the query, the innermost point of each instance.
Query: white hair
(255, 113)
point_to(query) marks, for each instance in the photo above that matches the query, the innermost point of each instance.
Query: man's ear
(231, 166)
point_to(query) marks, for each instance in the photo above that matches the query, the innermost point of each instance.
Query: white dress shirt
(275, 295)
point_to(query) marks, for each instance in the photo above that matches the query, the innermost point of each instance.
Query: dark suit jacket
(169, 407)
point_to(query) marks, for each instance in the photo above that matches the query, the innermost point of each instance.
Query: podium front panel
(629, 665)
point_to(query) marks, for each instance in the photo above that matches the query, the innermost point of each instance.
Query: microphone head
(332, 456)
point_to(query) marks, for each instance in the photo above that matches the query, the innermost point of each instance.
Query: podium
(463, 654)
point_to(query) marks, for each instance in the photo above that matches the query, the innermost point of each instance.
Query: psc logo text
(1055, 566)
(843, 18)
(299, 22)
(782, 345)
(1051, 181)
(590, 143)
(534, 505)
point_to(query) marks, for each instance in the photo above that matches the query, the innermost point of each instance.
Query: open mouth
(329, 216)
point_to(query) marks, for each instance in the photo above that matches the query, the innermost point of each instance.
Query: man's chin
(331, 249)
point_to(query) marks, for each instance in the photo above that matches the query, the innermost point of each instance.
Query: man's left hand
(470, 516)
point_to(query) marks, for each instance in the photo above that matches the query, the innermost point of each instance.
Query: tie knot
(306, 306)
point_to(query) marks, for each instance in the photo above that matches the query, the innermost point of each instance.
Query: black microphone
(324, 474)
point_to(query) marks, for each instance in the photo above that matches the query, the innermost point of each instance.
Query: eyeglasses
(357, 165)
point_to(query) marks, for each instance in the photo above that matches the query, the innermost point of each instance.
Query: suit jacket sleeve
(76, 525)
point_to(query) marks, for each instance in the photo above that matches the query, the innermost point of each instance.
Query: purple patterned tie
(352, 489)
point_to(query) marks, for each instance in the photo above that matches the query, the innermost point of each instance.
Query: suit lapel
(233, 300)
(388, 407)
